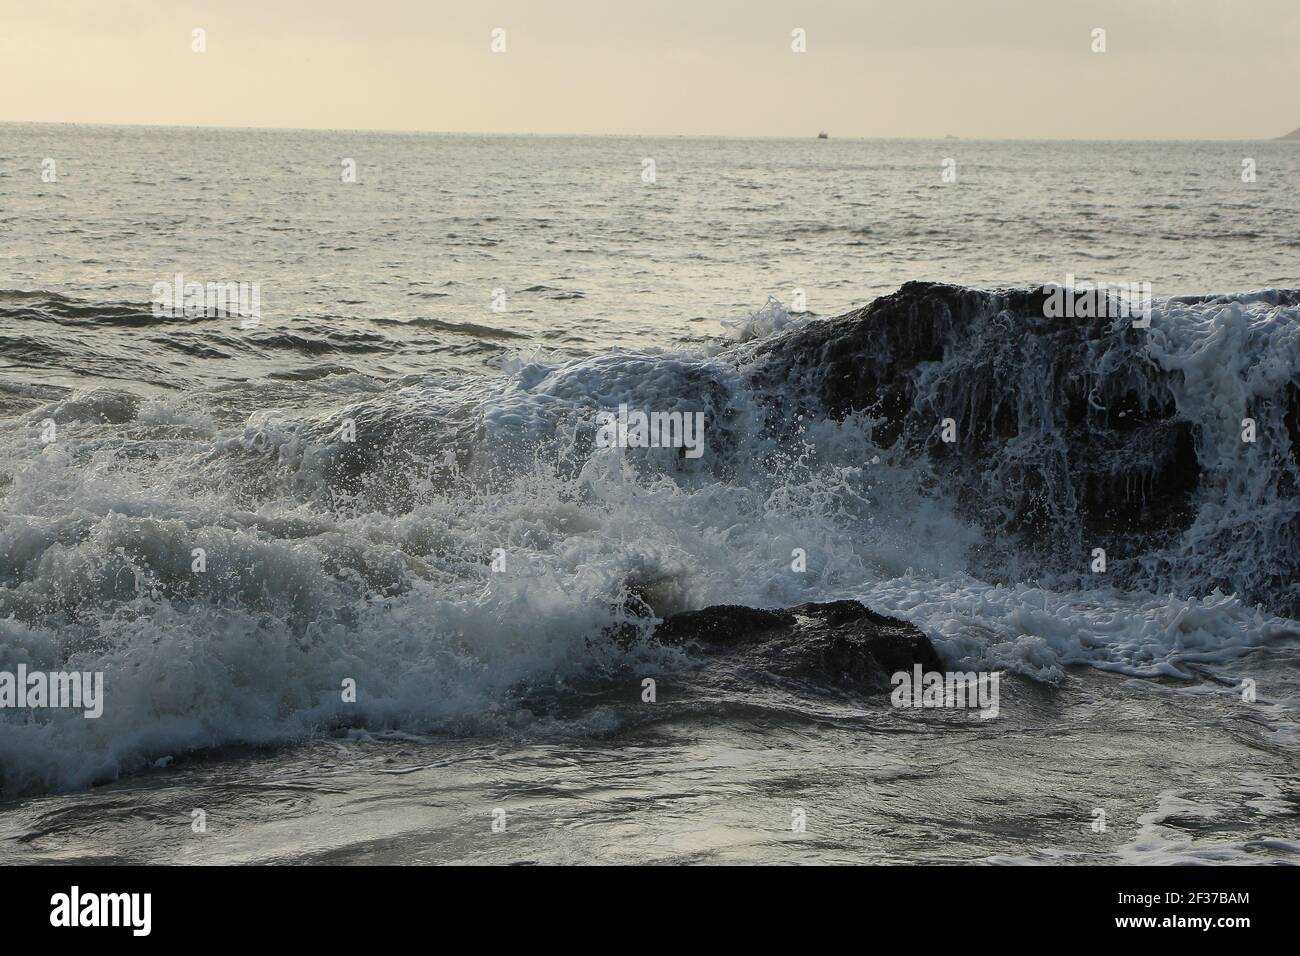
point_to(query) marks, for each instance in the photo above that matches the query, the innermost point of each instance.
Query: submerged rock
(841, 643)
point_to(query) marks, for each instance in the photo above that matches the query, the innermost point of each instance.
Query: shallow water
(711, 777)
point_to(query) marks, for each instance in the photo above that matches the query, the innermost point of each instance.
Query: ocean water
(466, 304)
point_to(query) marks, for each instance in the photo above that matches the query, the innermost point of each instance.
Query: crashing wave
(373, 558)
(1174, 448)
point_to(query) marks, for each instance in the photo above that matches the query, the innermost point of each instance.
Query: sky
(1172, 69)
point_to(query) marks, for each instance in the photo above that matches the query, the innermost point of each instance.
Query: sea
(348, 568)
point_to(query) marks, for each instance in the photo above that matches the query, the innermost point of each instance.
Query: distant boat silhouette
(822, 135)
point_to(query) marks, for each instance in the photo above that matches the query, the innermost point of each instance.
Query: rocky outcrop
(1066, 433)
(841, 643)
(1068, 443)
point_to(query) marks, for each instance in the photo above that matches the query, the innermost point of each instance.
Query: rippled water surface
(589, 256)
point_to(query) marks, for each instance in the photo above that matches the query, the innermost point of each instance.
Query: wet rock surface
(1063, 434)
(842, 643)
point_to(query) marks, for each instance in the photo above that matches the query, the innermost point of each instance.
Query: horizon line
(739, 136)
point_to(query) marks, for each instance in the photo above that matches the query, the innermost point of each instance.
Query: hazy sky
(1188, 69)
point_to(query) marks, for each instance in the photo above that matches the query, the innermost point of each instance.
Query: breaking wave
(457, 547)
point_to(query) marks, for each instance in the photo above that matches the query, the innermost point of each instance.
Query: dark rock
(722, 624)
(1291, 419)
(842, 643)
(1057, 451)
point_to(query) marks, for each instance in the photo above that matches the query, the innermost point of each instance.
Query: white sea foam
(771, 318)
(1236, 356)
(1163, 837)
(309, 583)
(1038, 633)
